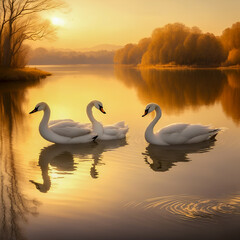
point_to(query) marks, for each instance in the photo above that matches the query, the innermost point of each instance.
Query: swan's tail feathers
(94, 138)
(213, 137)
(125, 130)
(215, 130)
(120, 124)
(213, 133)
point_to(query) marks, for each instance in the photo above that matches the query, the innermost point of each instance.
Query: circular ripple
(189, 208)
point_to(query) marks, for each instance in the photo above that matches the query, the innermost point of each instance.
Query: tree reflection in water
(15, 205)
(178, 90)
(230, 98)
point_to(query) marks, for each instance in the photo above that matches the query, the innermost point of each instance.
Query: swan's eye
(146, 112)
(36, 108)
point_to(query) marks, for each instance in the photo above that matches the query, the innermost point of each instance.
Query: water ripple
(189, 207)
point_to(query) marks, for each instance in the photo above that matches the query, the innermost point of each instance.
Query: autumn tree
(175, 44)
(20, 21)
(231, 42)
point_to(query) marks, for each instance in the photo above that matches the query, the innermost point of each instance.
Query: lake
(121, 189)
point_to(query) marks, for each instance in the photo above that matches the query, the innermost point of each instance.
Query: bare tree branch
(20, 21)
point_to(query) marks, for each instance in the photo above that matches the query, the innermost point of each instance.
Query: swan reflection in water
(62, 158)
(162, 158)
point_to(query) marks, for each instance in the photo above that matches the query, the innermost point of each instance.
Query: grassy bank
(22, 74)
(177, 67)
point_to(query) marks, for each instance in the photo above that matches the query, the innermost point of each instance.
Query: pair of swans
(67, 131)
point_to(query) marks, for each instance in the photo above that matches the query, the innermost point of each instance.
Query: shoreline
(22, 74)
(178, 67)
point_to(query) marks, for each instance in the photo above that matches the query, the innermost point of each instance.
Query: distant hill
(101, 47)
(43, 56)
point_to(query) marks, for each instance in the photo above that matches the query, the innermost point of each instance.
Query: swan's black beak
(33, 111)
(101, 109)
(146, 112)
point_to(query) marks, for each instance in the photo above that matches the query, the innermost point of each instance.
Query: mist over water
(123, 189)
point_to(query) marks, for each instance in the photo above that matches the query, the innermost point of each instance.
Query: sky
(84, 24)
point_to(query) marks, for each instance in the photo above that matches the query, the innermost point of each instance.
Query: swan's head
(149, 108)
(39, 107)
(97, 104)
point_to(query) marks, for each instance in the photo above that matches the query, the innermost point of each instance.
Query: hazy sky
(91, 22)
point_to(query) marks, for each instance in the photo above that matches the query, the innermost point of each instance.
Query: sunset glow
(57, 21)
(90, 23)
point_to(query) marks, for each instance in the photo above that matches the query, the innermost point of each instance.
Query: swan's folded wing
(63, 124)
(172, 134)
(70, 131)
(119, 124)
(194, 130)
(184, 133)
(84, 125)
(111, 130)
(52, 122)
(174, 128)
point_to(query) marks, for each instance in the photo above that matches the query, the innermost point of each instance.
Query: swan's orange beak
(101, 109)
(33, 111)
(146, 112)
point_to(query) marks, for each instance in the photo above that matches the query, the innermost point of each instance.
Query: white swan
(64, 131)
(109, 132)
(176, 133)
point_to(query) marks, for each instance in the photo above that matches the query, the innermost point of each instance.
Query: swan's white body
(109, 132)
(64, 131)
(173, 134)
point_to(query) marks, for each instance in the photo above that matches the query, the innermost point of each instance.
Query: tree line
(44, 56)
(181, 45)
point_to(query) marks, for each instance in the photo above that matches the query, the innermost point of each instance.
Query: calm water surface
(124, 189)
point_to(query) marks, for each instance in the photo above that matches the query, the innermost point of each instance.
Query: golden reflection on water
(90, 183)
(15, 206)
(63, 158)
(162, 158)
(189, 207)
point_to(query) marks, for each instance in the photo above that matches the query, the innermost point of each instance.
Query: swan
(179, 133)
(64, 131)
(109, 132)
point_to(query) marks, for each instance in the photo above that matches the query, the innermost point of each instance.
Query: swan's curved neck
(45, 119)
(97, 126)
(90, 114)
(149, 135)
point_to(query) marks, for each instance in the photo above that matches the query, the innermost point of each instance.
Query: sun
(57, 21)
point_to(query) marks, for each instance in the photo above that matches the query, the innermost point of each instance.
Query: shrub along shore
(22, 74)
